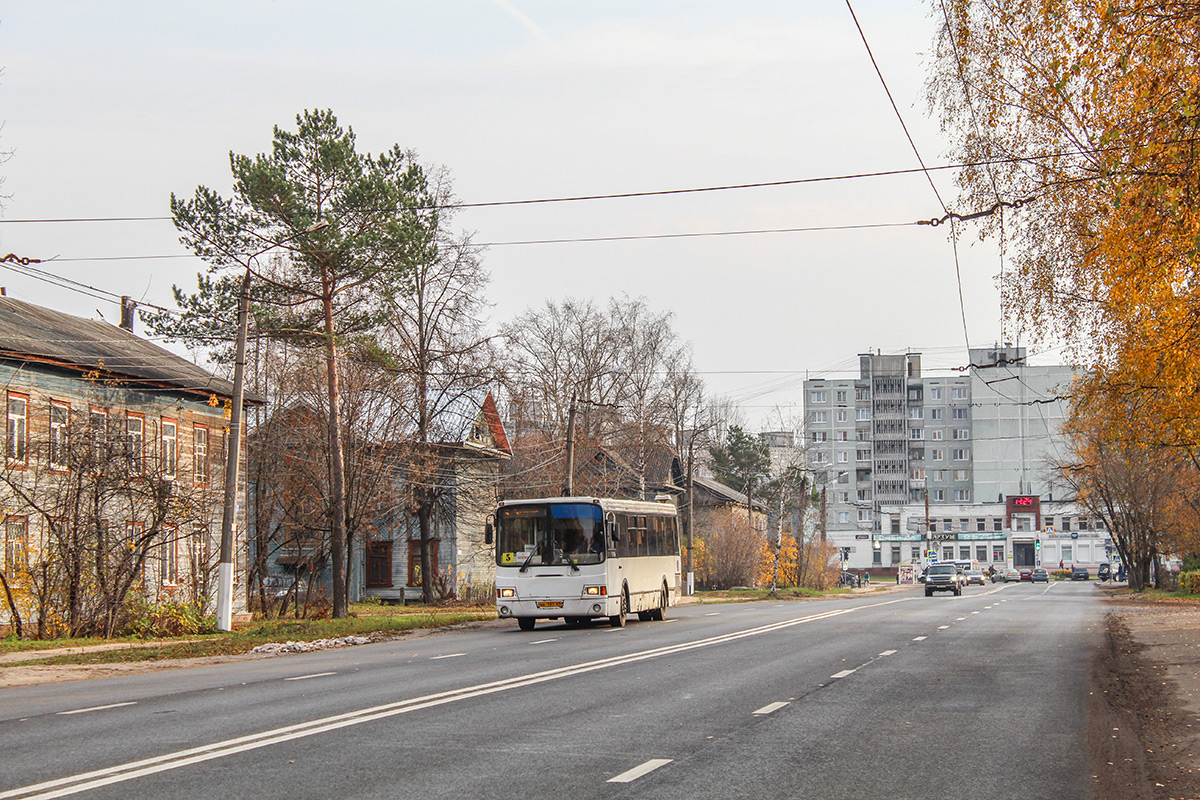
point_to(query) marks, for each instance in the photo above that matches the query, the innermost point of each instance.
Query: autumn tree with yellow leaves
(1087, 115)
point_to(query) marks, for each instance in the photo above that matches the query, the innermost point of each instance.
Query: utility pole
(569, 484)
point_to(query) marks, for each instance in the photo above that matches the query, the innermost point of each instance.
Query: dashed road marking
(960, 619)
(942, 627)
(314, 675)
(631, 775)
(888, 653)
(544, 641)
(920, 638)
(448, 655)
(97, 708)
(844, 673)
(713, 614)
(767, 709)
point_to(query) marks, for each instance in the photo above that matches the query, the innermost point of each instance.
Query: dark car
(1026, 575)
(943, 578)
(1040, 576)
(1104, 572)
(849, 579)
(1080, 574)
(974, 576)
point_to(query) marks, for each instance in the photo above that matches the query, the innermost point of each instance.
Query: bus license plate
(550, 603)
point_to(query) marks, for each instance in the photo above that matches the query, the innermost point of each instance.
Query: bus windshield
(545, 534)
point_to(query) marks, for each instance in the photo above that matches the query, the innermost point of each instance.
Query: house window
(981, 552)
(914, 413)
(862, 414)
(843, 415)
(997, 552)
(820, 416)
(200, 455)
(98, 431)
(18, 428)
(170, 447)
(840, 395)
(938, 494)
(964, 552)
(135, 432)
(862, 394)
(820, 436)
(843, 457)
(1068, 554)
(916, 554)
(962, 454)
(842, 436)
(936, 434)
(865, 515)
(961, 434)
(935, 413)
(414, 560)
(916, 473)
(938, 474)
(818, 397)
(981, 525)
(937, 455)
(168, 558)
(948, 553)
(844, 516)
(60, 418)
(962, 495)
(935, 394)
(958, 393)
(962, 475)
(895, 554)
(379, 565)
(16, 544)
(960, 413)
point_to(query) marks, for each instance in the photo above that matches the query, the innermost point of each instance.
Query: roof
(725, 493)
(30, 333)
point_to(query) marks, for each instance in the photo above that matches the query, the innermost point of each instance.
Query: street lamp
(225, 566)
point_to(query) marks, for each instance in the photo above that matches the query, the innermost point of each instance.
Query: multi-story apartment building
(894, 437)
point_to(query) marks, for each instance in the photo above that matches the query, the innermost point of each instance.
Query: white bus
(582, 558)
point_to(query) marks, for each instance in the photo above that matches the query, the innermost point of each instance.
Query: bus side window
(622, 535)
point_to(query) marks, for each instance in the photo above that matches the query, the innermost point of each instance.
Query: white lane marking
(85, 781)
(544, 641)
(630, 775)
(306, 677)
(888, 653)
(669, 620)
(920, 638)
(942, 627)
(448, 655)
(974, 612)
(97, 708)
(770, 707)
(713, 614)
(844, 673)
(960, 619)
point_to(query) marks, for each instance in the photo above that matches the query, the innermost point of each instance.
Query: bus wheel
(526, 623)
(618, 620)
(660, 613)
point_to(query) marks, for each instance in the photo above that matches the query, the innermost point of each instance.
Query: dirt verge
(1144, 709)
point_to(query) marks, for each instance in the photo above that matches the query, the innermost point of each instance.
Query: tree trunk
(12, 606)
(337, 476)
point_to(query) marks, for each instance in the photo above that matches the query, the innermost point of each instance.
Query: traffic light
(1037, 545)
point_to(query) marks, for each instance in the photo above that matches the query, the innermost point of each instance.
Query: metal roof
(33, 334)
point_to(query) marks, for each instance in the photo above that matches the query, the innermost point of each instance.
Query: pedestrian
(1060, 565)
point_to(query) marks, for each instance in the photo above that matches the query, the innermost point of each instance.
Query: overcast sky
(110, 107)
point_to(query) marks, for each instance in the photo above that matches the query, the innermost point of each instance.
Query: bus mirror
(488, 533)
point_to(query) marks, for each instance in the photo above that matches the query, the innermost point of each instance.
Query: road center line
(888, 653)
(844, 673)
(97, 708)
(769, 708)
(631, 775)
(314, 675)
(73, 784)
(544, 641)
(448, 655)
(920, 638)
(942, 627)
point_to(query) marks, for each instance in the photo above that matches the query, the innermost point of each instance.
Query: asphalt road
(893, 695)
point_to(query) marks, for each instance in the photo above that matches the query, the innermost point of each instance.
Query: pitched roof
(30, 333)
(725, 493)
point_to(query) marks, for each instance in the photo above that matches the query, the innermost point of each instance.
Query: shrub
(170, 618)
(1189, 582)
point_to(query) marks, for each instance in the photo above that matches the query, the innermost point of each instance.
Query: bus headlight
(506, 592)
(595, 591)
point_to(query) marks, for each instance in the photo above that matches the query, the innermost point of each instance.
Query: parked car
(1040, 576)
(943, 578)
(1080, 574)
(975, 576)
(1104, 572)
(1026, 575)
